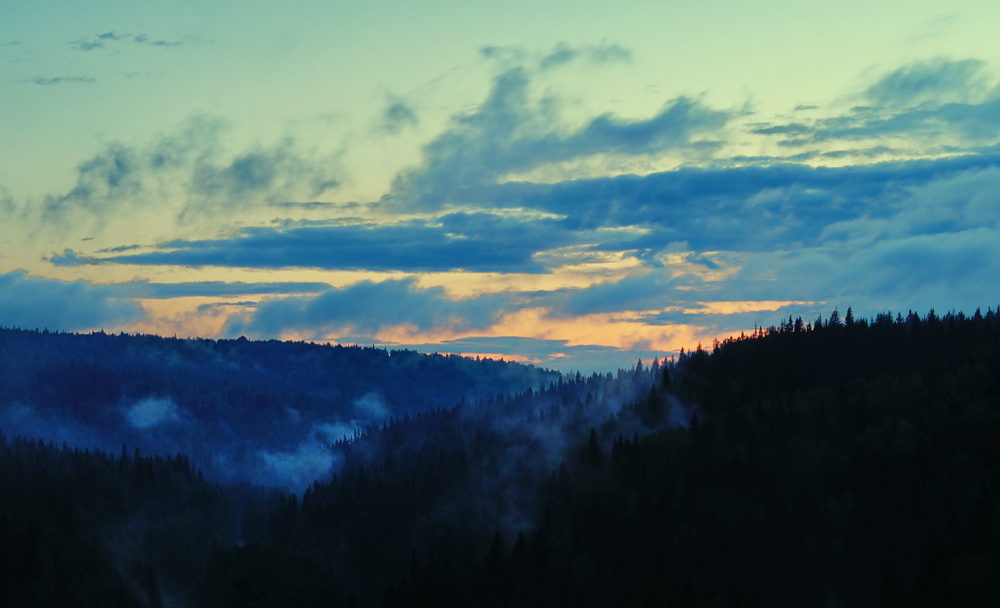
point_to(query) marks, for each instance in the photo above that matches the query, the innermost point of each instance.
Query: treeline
(82, 528)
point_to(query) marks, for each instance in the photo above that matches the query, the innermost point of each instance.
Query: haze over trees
(242, 410)
(831, 462)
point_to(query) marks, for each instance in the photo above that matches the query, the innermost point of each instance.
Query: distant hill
(259, 411)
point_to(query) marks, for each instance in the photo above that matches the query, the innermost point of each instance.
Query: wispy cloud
(397, 115)
(510, 133)
(53, 80)
(563, 54)
(946, 104)
(144, 39)
(113, 36)
(188, 173)
(84, 45)
(101, 41)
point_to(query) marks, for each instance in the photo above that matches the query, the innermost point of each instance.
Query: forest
(831, 462)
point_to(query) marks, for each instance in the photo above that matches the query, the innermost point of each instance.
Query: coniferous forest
(835, 462)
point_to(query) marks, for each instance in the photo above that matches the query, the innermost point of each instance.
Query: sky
(572, 184)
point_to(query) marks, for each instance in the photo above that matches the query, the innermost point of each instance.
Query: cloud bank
(719, 243)
(42, 303)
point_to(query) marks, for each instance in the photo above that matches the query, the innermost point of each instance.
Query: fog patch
(332, 432)
(372, 407)
(27, 421)
(312, 460)
(151, 412)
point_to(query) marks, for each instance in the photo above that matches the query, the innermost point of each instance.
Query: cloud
(397, 115)
(609, 53)
(51, 80)
(466, 241)
(144, 39)
(923, 235)
(896, 235)
(69, 258)
(563, 54)
(684, 213)
(560, 55)
(365, 308)
(84, 45)
(752, 208)
(188, 173)
(929, 81)
(509, 133)
(37, 303)
(705, 242)
(943, 100)
(219, 289)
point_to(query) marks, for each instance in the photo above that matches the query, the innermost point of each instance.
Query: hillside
(257, 411)
(843, 462)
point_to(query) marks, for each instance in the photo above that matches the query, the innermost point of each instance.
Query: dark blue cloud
(466, 241)
(367, 307)
(69, 258)
(974, 122)
(735, 209)
(31, 302)
(143, 289)
(739, 208)
(940, 270)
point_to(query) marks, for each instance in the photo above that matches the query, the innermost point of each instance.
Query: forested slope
(242, 410)
(82, 528)
(843, 462)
